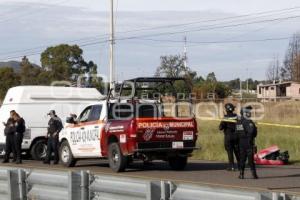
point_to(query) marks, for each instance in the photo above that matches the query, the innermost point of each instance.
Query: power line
(211, 20)
(206, 29)
(221, 41)
(211, 27)
(171, 41)
(32, 13)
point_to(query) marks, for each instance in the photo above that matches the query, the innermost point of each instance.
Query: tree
(65, 63)
(272, 72)
(222, 91)
(8, 79)
(290, 71)
(235, 84)
(29, 73)
(211, 78)
(172, 66)
(211, 82)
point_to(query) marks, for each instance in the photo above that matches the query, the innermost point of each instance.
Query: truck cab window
(147, 110)
(95, 113)
(121, 111)
(84, 116)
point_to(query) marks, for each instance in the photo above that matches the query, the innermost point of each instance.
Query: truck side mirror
(70, 120)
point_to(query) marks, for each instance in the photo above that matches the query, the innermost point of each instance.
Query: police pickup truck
(137, 123)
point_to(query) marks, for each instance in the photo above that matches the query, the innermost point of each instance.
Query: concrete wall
(294, 91)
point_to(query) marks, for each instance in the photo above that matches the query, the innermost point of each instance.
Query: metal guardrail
(22, 184)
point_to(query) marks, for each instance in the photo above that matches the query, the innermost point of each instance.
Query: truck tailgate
(166, 133)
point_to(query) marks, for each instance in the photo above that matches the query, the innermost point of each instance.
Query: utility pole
(241, 88)
(185, 52)
(247, 81)
(112, 43)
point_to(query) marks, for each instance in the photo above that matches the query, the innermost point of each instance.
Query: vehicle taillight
(132, 129)
(195, 126)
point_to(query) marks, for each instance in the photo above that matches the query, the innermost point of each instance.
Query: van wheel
(178, 162)
(65, 155)
(117, 161)
(39, 150)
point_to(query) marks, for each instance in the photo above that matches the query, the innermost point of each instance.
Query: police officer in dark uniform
(19, 134)
(230, 136)
(9, 132)
(247, 131)
(54, 127)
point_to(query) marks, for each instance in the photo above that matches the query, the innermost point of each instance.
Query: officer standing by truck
(54, 127)
(19, 134)
(230, 136)
(247, 132)
(9, 132)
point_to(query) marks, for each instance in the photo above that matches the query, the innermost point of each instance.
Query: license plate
(177, 145)
(188, 135)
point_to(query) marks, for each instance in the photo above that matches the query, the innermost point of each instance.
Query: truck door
(85, 136)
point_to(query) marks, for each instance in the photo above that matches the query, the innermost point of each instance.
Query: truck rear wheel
(117, 161)
(65, 155)
(178, 162)
(38, 150)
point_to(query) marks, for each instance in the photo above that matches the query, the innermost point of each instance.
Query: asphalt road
(279, 178)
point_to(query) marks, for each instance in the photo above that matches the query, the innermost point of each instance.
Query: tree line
(203, 87)
(59, 63)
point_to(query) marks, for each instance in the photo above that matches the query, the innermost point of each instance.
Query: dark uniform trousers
(10, 147)
(247, 153)
(247, 132)
(231, 143)
(18, 145)
(52, 146)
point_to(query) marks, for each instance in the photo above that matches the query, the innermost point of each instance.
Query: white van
(34, 102)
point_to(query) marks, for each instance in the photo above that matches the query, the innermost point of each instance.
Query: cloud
(44, 25)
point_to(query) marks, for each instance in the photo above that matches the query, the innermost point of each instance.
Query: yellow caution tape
(259, 123)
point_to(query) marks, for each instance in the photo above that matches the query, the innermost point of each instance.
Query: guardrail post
(279, 196)
(78, 185)
(167, 189)
(16, 184)
(22, 184)
(85, 181)
(154, 192)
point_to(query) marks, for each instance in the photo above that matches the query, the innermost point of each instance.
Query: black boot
(254, 174)
(241, 176)
(230, 167)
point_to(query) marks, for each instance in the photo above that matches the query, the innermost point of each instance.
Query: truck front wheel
(178, 162)
(65, 155)
(38, 150)
(117, 161)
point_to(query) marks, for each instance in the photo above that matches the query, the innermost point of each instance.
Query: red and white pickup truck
(124, 129)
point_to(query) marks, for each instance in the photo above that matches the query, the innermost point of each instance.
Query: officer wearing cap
(54, 127)
(247, 132)
(230, 136)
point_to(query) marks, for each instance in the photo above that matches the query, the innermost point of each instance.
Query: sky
(213, 29)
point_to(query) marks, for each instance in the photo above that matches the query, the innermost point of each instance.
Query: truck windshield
(124, 111)
(163, 90)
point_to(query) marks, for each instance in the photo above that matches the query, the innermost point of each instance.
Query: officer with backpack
(247, 132)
